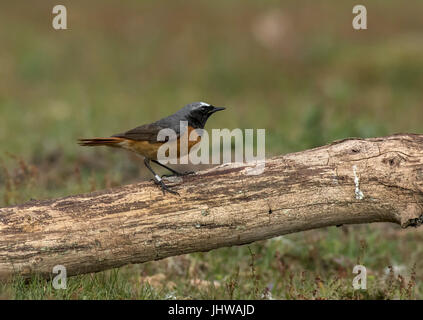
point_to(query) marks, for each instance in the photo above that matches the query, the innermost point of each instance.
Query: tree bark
(347, 182)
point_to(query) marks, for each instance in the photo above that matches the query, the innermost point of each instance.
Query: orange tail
(111, 142)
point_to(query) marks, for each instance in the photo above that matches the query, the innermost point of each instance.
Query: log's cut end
(412, 216)
(347, 182)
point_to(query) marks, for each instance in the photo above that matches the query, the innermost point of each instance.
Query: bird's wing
(147, 132)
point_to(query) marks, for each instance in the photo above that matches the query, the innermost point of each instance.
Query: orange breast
(149, 149)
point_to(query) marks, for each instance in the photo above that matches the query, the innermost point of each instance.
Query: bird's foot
(164, 187)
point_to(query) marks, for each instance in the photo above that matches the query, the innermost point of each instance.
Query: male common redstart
(143, 139)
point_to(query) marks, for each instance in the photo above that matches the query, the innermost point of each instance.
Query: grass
(295, 68)
(313, 265)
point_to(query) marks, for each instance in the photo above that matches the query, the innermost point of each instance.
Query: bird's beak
(215, 109)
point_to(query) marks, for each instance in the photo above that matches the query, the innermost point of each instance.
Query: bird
(143, 141)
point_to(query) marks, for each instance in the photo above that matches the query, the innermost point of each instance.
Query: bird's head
(197, 113)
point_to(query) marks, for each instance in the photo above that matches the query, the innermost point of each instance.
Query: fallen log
(347, 182)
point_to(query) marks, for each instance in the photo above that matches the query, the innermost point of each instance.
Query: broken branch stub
(349, 181)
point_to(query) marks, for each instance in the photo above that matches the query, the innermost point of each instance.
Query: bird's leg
(157, 179)
(176, 173)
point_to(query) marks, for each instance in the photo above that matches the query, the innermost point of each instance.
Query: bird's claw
(165, 188)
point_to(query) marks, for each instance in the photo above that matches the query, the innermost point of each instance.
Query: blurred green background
(295, 68)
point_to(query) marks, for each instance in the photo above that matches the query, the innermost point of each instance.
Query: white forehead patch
(198, 105)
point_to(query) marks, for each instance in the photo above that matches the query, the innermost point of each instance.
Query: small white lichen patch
(358, 194)
(258, 168)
